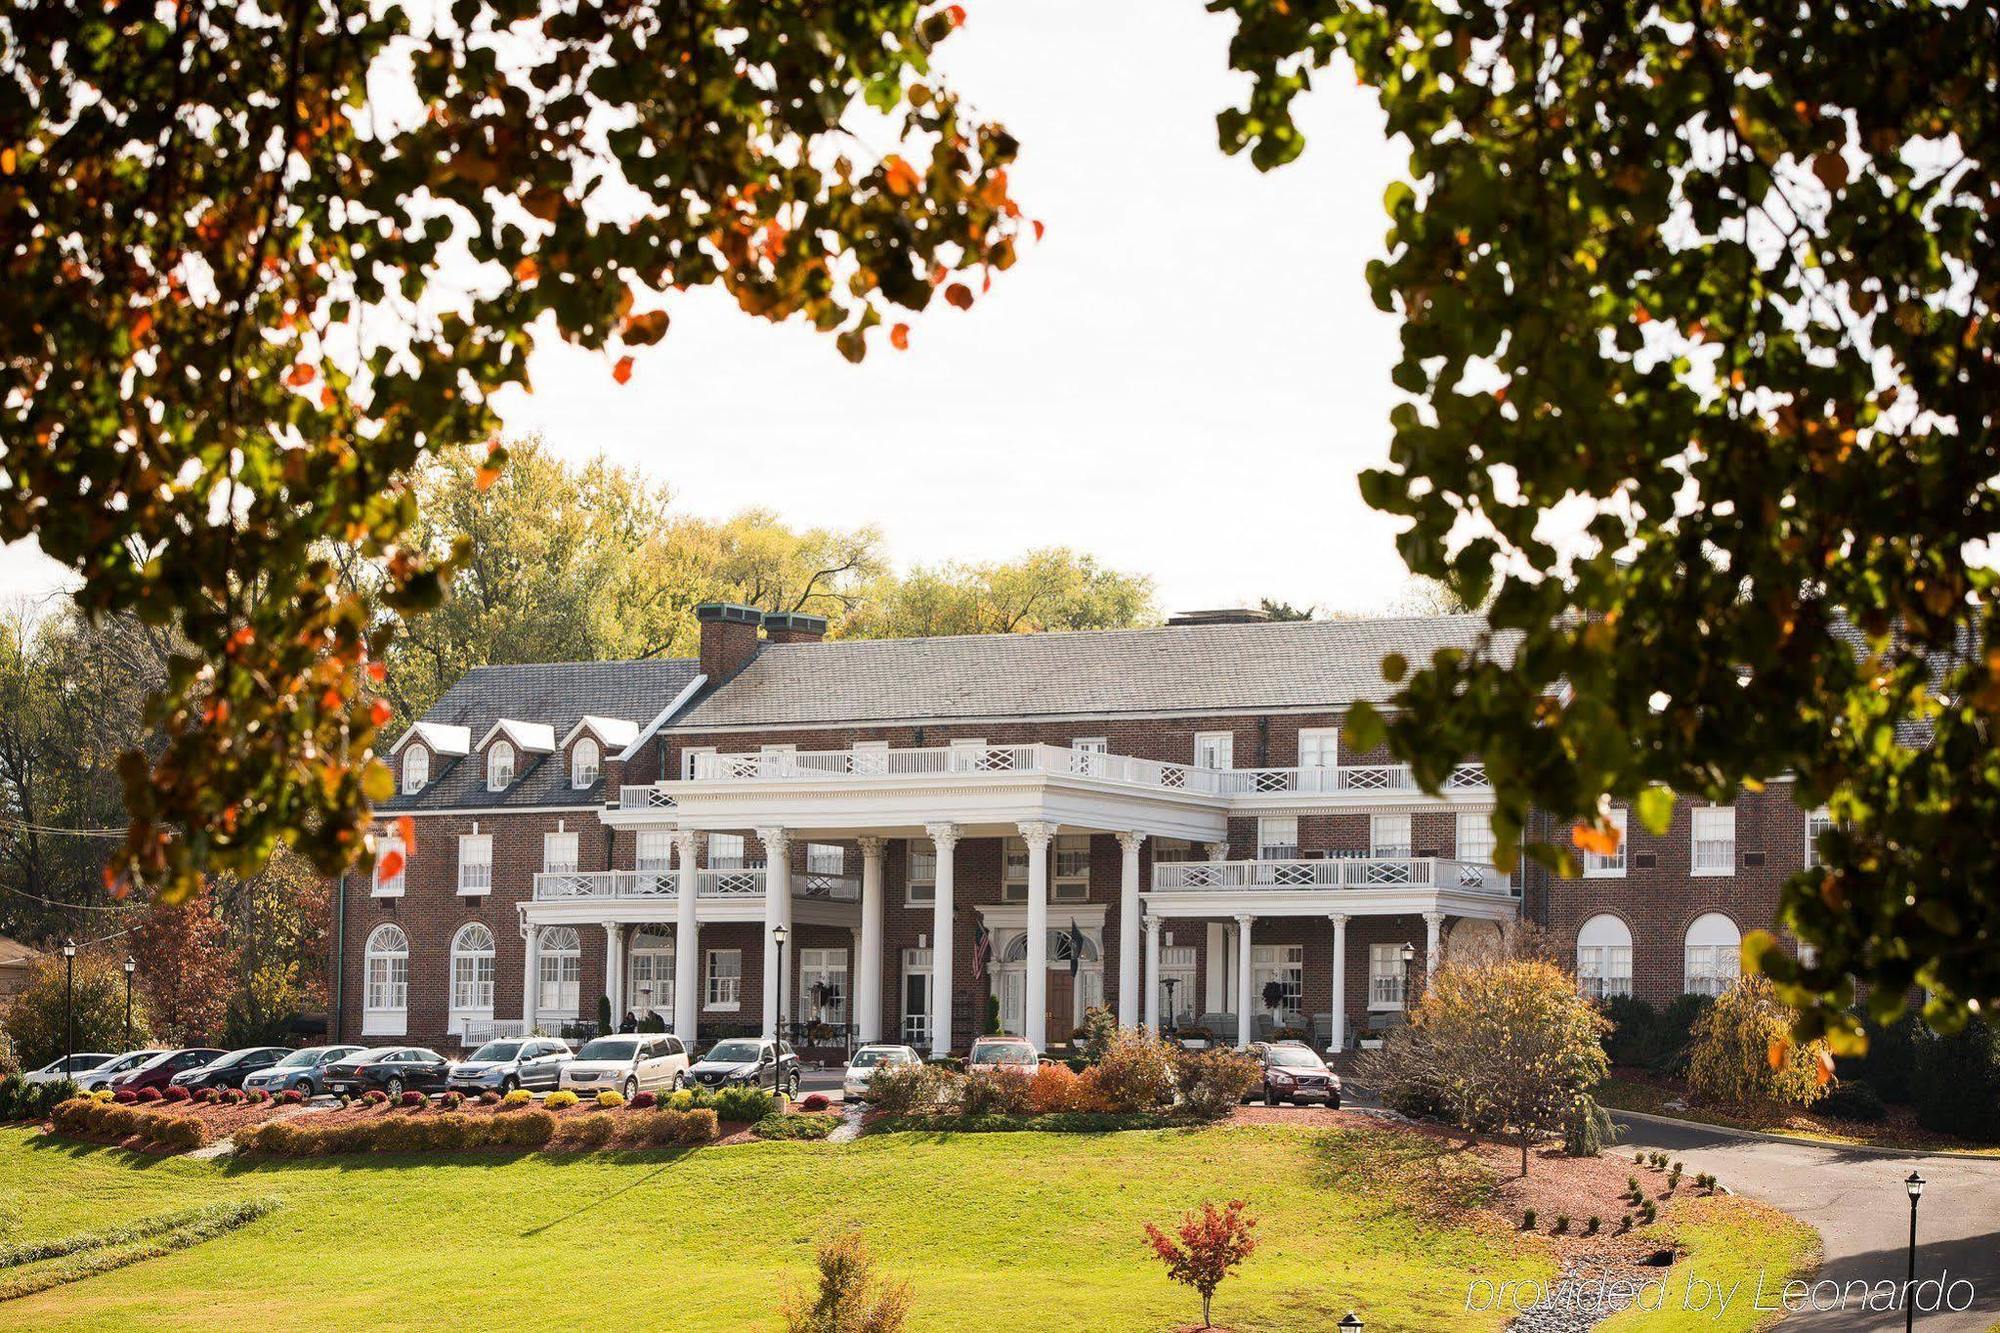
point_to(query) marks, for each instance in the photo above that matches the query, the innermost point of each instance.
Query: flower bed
(109, 1122)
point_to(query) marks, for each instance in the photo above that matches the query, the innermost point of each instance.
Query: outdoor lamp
(69, 948)
(778, 934)
(130, 966)
(1409, 954)
(1915, 1185)
(1351, 1323)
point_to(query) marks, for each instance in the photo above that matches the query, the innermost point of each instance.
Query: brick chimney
(794, 627)
(728, 638)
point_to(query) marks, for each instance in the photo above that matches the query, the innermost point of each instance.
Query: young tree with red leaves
(186, 967)
(1209, 1245)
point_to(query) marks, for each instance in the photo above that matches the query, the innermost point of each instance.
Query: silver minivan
(630, 1063)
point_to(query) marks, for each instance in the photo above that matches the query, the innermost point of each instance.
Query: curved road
(1857, 1201)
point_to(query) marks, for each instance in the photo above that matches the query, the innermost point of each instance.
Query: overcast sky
(1184, 377)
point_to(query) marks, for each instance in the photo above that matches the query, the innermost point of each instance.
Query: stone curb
(1761, 1136)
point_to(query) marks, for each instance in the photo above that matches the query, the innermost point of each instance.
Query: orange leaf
(331, 700)
(1038, 229)
(959, 295)
(956, 13)
(1589, 837)
(141, 323)
(377, 672)
(300, 374)
(406, 828)
(390, 866)
(484, 478)
(623, 370)
(381, 712)
(326, 396)
(1823, 1068)
(1777, 1052)
(899, 175)
(527, 270)
(899, 337)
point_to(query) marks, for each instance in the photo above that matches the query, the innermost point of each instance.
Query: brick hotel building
(1161, 820)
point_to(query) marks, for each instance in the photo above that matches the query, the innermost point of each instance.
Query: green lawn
(1035, 1231)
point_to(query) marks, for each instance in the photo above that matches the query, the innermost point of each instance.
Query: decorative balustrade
(1345, 778)
(1337, 872)
(946, 761)
(652, 796)
(736, 882)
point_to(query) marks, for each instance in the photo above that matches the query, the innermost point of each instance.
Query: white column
(614, 970)
(1337, 1040)
(945, 838)
(1243, 1000)
(531, 975)
(687, 937)
(1433, 928)
(1128, 931)
(868, 948)
(1038, 836)
(1153, 974)
(777, 899)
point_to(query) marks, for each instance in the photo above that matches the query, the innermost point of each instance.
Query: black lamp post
(1350, 1322)
(778, 933)
(1409, 958)
(130, 967)
(646, 998)
(1171, 983)
(1915, 1185)
(69, 1002)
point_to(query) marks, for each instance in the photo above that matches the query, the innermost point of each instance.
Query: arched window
(1713, 960)
(652, 973)
(386, 982)
(561, 971)
(1604, 957)
(416, 768)
(499, 766)
(583, 763)
(1059, 950)
(471, 975)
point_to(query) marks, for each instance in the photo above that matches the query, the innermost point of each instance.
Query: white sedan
(861, 1068)
(72, 1067)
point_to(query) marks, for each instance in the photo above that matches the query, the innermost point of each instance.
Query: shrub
(293, 1097)
(679, 1128)
(653, 1022)
(1625, 1222)
(375, 1097)
(1099, 1030)
(588, 1131)
(1649, 1212)
(804, 1125)
(558, 1101)
(684, 1100)
(207, 1096)
(84, 1116)
(35, 1016)
(1002, 1091)
(610, 1100)
(1588, 1129)
(1562, 1224)
(1136, 1072)
(1528, 1219)
(256, 1096)
(1890, 1066)
(816, 1101)
(1634, 1038)
(149, 1094)
(744, 1105)
(529, 1128)
(124, 1096)
(1591, 1224)
(925, 1089)
(413, 1100)
(1956, 1086)
(1735, 1042)
(451, 1100)
(1213, 1083)
(643, 1100)
(1205, 1249)
(101, 1095)
(518, 1097)
(176, 1092)
(849, 1297)
(1053, 1088)
(491, 1098)
(1674, 1177)
(13, 1092)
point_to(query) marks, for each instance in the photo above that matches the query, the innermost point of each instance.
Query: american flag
(982, 949)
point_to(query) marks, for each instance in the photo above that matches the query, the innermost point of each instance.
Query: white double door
(1068, 997)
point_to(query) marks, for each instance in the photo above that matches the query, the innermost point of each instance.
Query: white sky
(1185, 377)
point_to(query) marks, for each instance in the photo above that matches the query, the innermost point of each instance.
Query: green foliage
(606, 1021)
(1213, 1083)
(22, 1100)
(1889, 1066)
(743, 1105)
(916, 1090)
(1957, 1083)
(993, 1026)
(1053, 588)
(1853, 1101)
(1644, 1037)
(1136, 1073)
(1748, 339)
(798, 1125)
(1100, 1027)
(35, 1018)
(1731, 1062)
(1004, 1091)
(850, 1297)
(1588, 1129)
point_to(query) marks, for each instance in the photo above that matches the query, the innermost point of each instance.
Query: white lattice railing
(1338, 872)
(652, 796)
(1346, 778)
(712, 883)
(941, 761)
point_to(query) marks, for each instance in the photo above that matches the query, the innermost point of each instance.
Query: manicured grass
(1631, 1094)
(1025, 1230)
(1731, 1245)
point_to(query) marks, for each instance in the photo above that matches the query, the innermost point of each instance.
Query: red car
(159, 1071)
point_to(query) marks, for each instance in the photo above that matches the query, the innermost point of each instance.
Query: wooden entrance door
(1062, 1006)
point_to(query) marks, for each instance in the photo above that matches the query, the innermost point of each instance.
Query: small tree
(1743, 1051)
(850, 1297)
(1100, 1026)
(35, 1018)
(1205, 1248)
(187, 970)
(1507, 1045)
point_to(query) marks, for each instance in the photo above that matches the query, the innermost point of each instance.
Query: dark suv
(751, 1062)
(229, 1071)
(1294, 1073)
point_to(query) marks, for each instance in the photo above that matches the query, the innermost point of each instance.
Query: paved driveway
(1858, 1202)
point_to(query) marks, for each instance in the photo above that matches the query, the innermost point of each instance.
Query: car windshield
(132, 1061)
(233, 1058)
(1291, 1055)
(735, 1052)
(869, 1059)
(609, 1048)
(496, 1050)
(1012, 1054)
(308, 1056)
(369, 1056)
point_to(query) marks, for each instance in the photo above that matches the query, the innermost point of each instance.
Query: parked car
(507, 1063)
(159, 1071)
(1293, 1072)
(756, 1062)
(101, 1076)
(990, 1053)
(229, 1071)
(865, 1061)
(630, 1063)
(393, 1069)
(300, 1071)
(71, 1067)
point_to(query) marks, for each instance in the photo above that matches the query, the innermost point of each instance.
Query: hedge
(1957, 1083)
(804, 1125)
(1060, 1122)
(453, 1131)
(81, 1117)
(22, 1100)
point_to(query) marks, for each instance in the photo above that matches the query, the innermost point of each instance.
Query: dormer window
(416, 770)
(499, 766)
(584, 761)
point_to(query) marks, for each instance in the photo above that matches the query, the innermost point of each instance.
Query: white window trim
(736, 860)
(1728, 957)
(689, 755)
(1327, 760)
(391, 886)
(1376, 847)
(500, 778)
(1824, 819)
(1266, 844)
(662, 841)
(1597, 983)
(416, 769)
(1695, 868)
(550, 865)
(1599, 867)
(460, 1012)
(469, 844)
(1058, 881)
(385, 1020)
(913, 849)
(709, 978)
(581, 778)
(1228, 746)
(1400, 976)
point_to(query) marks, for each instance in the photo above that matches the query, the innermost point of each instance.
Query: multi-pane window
(559, 853)
(1285, 965)
(652, 972)
(584, 761)
(695, 761)
(1817, 822)
(1278, 838)
(1713, 954)
(1319, 747)
(1604, 957)
(920, 884)
(475, 863)
(499, 766)
(1072, 878)
(390, 863)
(726, 851)
(1014, 871)
(825, 858)
(822, 993)
(561, 971)
(1215, 749)
(917, 996)
(1385, 976)
(1715, 840)
(472, 971)
(1389, 836)
(655, 851)
(416, 769)
(1178, 1002)
(387, 977)
(725, 979)
(1475, 837)
(1596, 865)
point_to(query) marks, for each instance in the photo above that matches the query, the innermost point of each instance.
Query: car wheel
(631, 1088)
(680, 1080)
(1270, 1097)
(792, 1085)
(394, 1089)
(1333, 1104)
(508, 1084)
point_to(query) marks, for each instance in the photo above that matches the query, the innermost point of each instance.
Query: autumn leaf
(623, 370)
(959, 295)
(527, 270)
(643, 330)
(406, 829)
(899, 337)
(390, 866)
(1038, 229)
(900, 176)
(483, 479)
(1599, 841)
(378, 672)
(381, 712)
(301, 373)
(1778, 1050)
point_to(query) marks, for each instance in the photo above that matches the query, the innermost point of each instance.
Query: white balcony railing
(940, 761)
(711, 883)
(1346, 778)
(1337, 872)
(652, 796)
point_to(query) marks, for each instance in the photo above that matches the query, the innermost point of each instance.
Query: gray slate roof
(556, 693)
(1098, 673)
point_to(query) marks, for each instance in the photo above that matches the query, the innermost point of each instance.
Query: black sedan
(229, 1071)
(393, 1069)
(748, 1062)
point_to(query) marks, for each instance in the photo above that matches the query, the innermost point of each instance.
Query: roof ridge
(1344, 622)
